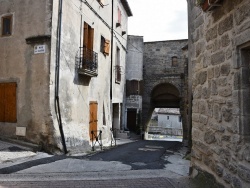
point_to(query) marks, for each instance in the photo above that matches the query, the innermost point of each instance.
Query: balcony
(118, 74)
(87, 62)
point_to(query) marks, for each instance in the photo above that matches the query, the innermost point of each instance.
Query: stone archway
(165, 95)
(165, 79)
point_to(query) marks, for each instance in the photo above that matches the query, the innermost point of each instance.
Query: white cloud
(159, 19)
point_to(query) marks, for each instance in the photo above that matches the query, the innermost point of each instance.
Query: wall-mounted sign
(39, 49)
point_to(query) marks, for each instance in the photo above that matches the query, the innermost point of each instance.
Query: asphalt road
(139, 155)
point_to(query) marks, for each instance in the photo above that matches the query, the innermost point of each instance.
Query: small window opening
(7, 25)
(174, 61)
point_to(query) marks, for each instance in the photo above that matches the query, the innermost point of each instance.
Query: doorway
(132, 120)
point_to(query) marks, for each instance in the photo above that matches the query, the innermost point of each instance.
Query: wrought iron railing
(96, 138)
(118, 73)
(87, 62)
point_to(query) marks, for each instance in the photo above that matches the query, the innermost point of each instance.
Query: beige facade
(219, 56)
(84, 69)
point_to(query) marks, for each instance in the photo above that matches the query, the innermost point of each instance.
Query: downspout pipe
(111, 66)
(57, 76)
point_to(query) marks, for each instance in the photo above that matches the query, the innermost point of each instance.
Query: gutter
(57, 73)
(111, 66)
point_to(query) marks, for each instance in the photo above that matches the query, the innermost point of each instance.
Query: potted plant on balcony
(207, 4)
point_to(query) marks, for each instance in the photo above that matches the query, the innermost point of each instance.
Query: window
(134, 87)
(174, 61)
(8, 102)
(118, 67)
(88, 38)
(6, 25)
(105, 46)
(88, 42)
(179, 118)
(119, 20)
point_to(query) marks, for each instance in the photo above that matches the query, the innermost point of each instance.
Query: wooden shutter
(10, 102)
(8, 112)
(92, 118)
(85, 37)
(106, 47)
(91, 38)
(2, 103)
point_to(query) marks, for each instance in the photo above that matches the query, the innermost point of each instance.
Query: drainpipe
(111, 66)
(57, 73)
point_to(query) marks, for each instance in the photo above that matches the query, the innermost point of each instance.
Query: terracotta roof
(175, 111)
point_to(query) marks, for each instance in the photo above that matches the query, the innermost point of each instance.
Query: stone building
(60, 70)
(219, 51)
(165, 79)
(134, 84)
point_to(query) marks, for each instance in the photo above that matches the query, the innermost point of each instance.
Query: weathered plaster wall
(119, 41)
(219, 52)
(76, 91)
(19, 64)
(158, 70)
(134, 71)
(134, 65)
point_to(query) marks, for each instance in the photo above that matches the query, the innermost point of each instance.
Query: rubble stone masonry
(219, 54)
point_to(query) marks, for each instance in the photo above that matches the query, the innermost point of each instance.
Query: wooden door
(93, 118)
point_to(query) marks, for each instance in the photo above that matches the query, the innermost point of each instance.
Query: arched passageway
(165, 95)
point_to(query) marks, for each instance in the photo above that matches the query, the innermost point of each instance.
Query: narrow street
(136, 164)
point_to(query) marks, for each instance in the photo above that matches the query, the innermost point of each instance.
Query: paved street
(134, 164)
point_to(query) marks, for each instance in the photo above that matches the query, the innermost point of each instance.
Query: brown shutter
(2, 102)
(8, 102)
(10, 106)
(106, 47)
(85, 37)
(91, 38)
(92, 118)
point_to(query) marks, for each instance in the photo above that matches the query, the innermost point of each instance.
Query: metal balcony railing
(87, 62)
(118, 73)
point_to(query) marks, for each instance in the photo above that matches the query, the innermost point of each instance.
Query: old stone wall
(164, 82)
(219, 57)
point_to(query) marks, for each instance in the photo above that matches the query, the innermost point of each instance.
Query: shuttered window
(105, 46)
(8, 102)
(88, 39)
(134, 87)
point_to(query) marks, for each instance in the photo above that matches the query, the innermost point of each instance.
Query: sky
(158, 20)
